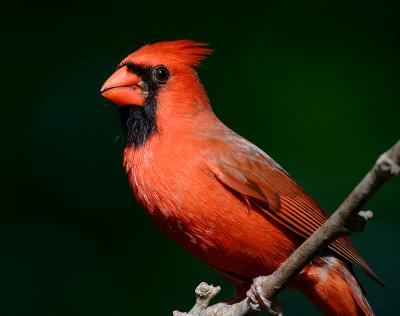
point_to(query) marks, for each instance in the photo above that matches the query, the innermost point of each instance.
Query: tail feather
(331, 285)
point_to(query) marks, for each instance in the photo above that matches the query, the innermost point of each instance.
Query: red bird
(213, 192)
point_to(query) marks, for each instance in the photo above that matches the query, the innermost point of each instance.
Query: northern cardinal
(213, 192)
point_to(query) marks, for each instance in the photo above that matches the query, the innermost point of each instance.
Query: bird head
(157, 83)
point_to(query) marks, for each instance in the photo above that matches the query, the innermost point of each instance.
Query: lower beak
(123, 88)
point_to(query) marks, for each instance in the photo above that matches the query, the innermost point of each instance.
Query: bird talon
(256, 297)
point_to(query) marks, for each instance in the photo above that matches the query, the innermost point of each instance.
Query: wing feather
(255, 175)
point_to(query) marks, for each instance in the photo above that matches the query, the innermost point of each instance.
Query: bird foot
(255, 294)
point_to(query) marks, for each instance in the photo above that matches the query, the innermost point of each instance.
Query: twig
(205, 293)
(338, 224)
(347, 219)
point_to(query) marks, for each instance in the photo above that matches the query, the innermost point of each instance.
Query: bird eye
(161, 74)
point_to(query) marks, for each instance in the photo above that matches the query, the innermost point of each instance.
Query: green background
(315, 84)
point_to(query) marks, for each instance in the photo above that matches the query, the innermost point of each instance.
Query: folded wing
(249, 171)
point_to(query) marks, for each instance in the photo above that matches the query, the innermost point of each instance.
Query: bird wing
(247, 170)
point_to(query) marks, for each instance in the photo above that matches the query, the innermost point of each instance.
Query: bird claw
(255, 294)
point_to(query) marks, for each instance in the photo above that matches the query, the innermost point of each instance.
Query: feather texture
(262, 179)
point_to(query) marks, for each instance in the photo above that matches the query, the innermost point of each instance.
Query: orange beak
(124, 88)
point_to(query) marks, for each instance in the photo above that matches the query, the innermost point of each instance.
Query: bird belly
(216, 226)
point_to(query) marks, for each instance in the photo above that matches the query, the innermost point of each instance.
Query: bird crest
(187, 52)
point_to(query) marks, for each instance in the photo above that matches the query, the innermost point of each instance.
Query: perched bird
(213, 192)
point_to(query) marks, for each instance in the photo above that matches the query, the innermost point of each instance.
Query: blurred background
(314, 84)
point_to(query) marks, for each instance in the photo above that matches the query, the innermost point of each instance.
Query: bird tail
(331, 285)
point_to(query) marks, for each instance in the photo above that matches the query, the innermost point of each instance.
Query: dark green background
(315, 84)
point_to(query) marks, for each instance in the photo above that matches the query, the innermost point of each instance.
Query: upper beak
(124, 88)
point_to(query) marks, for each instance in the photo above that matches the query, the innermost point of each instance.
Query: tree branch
(347, 219)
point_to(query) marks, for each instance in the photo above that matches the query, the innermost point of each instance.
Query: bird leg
(255, 295)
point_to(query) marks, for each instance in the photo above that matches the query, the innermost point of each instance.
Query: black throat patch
(139, 122)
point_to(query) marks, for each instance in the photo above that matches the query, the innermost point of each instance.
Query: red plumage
(184, 52)
(217, 195)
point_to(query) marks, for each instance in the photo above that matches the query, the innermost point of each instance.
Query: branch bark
(345, 220)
